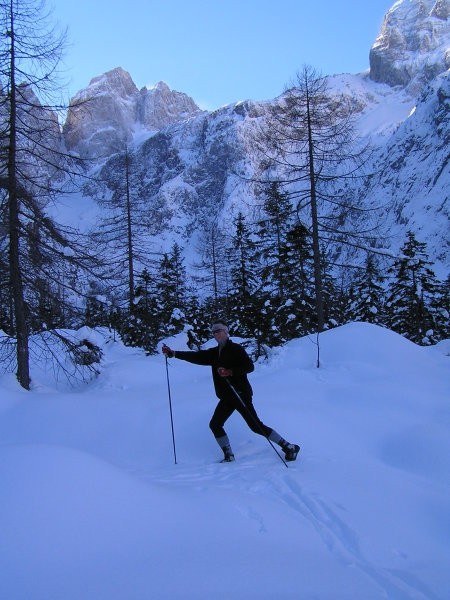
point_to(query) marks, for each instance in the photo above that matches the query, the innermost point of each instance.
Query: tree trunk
(21, 326)
(315, 229)
(129, 235)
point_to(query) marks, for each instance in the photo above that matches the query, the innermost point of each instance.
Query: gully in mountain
(230, 365)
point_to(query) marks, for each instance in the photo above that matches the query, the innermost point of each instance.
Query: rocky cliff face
(413, 45)
(187, 174)
(160, 106)
(103, 117)
(416, 165)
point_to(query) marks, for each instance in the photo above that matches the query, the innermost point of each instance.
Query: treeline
(260, 278)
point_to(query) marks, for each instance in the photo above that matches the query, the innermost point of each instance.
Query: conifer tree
(200, 316)
(334, 298)
(440, 310)
(212, 269)
(368, 294)
(412, 294)
(121, 227)
(273, 226)
(441, 307)
(310, 139)
(270, 236)
(171, 292)
(97, 313)
(34, 169)
(297, 309)
(244, 296)
(139, 327)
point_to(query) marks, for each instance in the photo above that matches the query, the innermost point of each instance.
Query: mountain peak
(413, 45)
(160, 106)
(160, 86)
(102, 117)
(117, 81)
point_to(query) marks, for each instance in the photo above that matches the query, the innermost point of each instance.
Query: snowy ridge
(89, 483)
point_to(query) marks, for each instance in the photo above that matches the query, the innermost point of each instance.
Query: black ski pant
(226, 407)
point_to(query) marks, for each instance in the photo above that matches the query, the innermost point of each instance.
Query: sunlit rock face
(103, 118)
(160, 106)
(413, 45)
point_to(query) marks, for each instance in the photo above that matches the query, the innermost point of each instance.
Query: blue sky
(217, 52)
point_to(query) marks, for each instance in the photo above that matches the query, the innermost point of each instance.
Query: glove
(167, 351)
(224, 372)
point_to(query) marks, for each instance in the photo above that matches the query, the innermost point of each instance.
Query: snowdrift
(92, 506)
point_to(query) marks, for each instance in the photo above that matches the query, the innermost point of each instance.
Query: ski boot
(228, 455)
(291, 451)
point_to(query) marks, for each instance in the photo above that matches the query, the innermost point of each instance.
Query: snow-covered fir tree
(412, 294)
(368, 294)
(245, 298)
(297, 309)
(171, 292)
(139, 327)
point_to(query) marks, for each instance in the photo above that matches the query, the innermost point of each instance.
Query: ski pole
(171, 415)
(236, 393)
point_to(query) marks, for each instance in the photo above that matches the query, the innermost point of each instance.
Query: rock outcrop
(103, 117)
(160, 106)
(413, 46)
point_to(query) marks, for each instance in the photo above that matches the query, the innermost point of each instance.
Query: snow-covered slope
(414, 175)
(92, 506)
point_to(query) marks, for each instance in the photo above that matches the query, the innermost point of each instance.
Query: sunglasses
(217, 330)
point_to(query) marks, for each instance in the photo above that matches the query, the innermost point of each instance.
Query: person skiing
(230, 365)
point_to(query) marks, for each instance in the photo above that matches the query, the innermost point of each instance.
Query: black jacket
(231, 356)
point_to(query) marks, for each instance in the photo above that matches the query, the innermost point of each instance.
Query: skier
(230, 364)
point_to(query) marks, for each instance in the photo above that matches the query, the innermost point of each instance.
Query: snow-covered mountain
(190, 163)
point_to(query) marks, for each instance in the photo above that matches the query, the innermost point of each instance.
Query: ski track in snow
(342, 541)
(337, 536)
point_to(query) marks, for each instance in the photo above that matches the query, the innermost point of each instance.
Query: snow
(93, 506)
(383, 107)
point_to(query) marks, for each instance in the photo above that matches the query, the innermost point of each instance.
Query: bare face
(220, 334)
